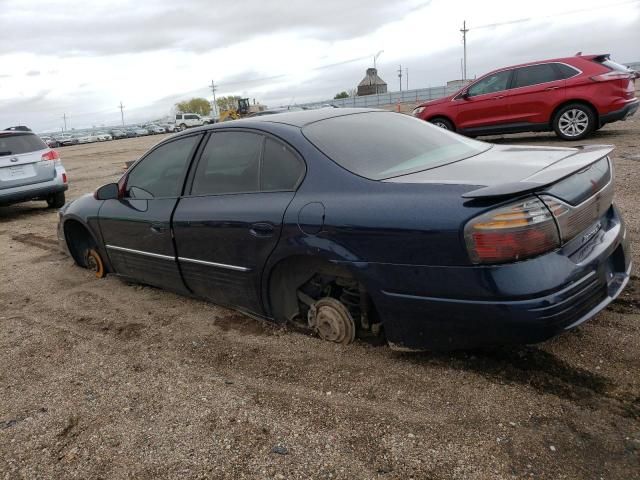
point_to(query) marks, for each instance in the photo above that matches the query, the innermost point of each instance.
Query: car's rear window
(17, 143)
(381, 145)
(611, 65)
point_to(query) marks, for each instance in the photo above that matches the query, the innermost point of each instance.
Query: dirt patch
(629, 301)
(37, 241)
(136, 382)
(244, 325)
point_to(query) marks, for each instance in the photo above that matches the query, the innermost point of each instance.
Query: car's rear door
(229, 222)
(137, 228)
(536, 91)
(486, 102)
(21, 160)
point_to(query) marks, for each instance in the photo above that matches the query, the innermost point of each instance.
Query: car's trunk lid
(506, 170)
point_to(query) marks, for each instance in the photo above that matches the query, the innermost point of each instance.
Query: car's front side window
(230, 163)
(161, 172)
(493, 83)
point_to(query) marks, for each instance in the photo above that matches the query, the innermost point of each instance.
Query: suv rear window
(381, 145)
(17, 143)
(611, 65)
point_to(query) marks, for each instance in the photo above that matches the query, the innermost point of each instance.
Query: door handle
(158, 227)
(552, 88)
(261, 230)
(499, 97)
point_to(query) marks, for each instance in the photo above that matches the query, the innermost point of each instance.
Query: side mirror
(110, 191)
(465, 95)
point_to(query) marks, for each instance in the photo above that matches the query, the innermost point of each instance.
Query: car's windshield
(15, 144)
(380, 145)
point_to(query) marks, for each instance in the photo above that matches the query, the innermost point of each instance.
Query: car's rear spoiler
(563, 168)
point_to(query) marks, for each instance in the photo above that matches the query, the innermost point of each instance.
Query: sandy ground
(101, 379)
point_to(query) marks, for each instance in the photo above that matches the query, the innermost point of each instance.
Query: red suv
(573, 96)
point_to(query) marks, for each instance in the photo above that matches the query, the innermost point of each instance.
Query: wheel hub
(332, 321)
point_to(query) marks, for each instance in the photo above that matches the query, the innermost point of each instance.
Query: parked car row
(65, 139)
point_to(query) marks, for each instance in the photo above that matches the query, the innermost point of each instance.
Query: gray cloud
(489, 48)
(190, 25)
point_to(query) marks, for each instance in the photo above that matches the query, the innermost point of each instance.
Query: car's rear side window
(380, 145)
(281, 168)
(565, 71)
(17, 143)
(534, 74)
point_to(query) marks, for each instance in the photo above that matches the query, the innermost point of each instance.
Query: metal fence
(389, 98)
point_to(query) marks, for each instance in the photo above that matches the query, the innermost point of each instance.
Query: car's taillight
(64, 178)
(605, 77)
(50, 155)
(513, 232)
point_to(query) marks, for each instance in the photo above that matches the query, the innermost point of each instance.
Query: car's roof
(296, 119)
(305, 117)
(568, 60)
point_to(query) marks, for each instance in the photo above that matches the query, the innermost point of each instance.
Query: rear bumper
(36, 191)
(520, 303)
(620, 114)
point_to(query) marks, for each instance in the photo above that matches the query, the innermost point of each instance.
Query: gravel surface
(103, 379)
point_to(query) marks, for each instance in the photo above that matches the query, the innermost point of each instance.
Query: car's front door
(536, 90)
(137, 228)
(230, 221)
(486, 102)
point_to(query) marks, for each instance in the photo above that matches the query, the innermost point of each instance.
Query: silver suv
(188, 120)
(30, 170)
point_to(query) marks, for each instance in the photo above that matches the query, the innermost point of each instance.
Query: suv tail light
(50, 155)
(605, 77)
(513, 232)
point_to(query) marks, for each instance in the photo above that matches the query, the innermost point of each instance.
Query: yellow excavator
(243, 109)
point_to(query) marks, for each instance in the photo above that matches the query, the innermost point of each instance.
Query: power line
(559, 14)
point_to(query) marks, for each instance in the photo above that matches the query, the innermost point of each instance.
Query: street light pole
(464, 47)
(215, 104)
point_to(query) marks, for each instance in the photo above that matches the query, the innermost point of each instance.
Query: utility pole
(215, 104)
(64, 117)
(400, 75)
(406, 74)
(122, 112)
(464, 46)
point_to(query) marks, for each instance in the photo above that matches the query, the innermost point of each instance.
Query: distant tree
(342, 94)
(200, 106)
(228, 103)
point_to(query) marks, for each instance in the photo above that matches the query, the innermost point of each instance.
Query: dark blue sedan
(365, 223)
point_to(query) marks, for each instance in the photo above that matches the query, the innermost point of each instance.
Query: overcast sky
(82, 58)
